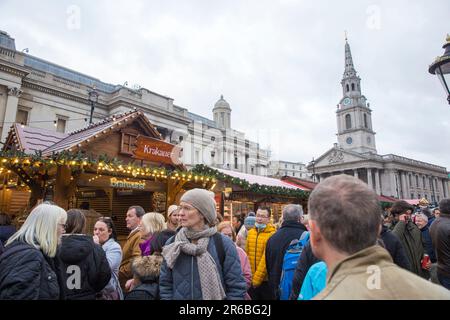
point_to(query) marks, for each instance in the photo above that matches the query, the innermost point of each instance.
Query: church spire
(349, 68)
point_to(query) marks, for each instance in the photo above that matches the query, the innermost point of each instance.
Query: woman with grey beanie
(200, 263)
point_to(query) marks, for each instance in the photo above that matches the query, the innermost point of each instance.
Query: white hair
(153, 222)
(423, 216)
(40, 229)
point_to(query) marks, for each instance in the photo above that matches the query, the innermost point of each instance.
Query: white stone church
(356, 153)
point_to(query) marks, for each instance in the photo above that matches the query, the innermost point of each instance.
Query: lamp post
(93, 98)
(441, 68)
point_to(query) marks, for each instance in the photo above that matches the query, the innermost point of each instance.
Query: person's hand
(96, 239)
(129, 285)
(428, 266)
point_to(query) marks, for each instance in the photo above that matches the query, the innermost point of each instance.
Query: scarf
(210, 280)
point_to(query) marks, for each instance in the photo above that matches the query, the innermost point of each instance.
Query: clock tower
(354, 116)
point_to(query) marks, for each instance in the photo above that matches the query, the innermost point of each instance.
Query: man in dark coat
(409, 234)
(440, 231)
(291, 229)
(395, 248)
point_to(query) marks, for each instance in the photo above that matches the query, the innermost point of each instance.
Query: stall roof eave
(261, 180)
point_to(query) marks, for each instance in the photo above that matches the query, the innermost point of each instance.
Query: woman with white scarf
(199, 263)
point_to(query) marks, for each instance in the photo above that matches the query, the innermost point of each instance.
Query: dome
(222, 103)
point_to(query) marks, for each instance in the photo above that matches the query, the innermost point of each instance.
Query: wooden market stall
(107, 166)
(238, 193)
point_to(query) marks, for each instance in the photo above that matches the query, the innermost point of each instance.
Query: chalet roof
(30, 140)
(307, 185)
(99, 129)
(261, 180)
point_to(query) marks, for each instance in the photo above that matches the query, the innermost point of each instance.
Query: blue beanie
(250, 221)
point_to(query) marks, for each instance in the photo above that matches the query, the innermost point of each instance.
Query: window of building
(412, 195)
(252, 169)
(365, 121)
(61, 125)
(423, 182)
(353, 87)
(285, 166)
(213, 138)
(22, 116)
(418, 196)
(410, 182)
(235, 162)
(128, 143)
(347, 87)
(235, 140)
(293, 174)
(348, 121)
(417, 181)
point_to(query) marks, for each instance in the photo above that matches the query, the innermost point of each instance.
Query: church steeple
(349, 67)
(354, 117)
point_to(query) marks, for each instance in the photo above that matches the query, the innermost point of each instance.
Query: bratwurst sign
(157, 151)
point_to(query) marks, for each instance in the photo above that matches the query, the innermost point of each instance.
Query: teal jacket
(315, 281)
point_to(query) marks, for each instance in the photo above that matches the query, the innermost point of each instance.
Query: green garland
(255, 187)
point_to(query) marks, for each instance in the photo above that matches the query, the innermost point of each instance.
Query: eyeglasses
(260, 216)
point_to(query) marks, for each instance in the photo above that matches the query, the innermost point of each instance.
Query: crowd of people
(345, 248)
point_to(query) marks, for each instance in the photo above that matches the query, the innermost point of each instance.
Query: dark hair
(266, 209)
(138, 209)
(347, 211)
(160, 240)
(400, 207)
(85, 205)
(110, 224)
(444, 206)
(76, 221)
(5, 219)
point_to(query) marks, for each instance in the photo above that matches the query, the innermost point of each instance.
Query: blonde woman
(151, 224)
(28, 270)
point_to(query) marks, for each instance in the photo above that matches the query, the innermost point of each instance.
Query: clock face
(349, 140)
(347, 101)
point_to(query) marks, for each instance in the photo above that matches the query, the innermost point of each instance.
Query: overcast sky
(278, 63)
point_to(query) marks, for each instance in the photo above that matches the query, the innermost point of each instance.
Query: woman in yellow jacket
(256, 248)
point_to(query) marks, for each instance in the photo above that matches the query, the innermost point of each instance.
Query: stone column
(355, 173)
(404, 188)
(369, 178)
(377, 182)
(393, 183)
(10, 111)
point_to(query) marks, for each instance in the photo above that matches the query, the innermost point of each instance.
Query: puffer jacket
(256, 249)
(183, 281)
(27, 274)
(81, 251)
(149, 290)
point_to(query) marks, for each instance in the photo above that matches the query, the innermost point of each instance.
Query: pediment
(338, 156)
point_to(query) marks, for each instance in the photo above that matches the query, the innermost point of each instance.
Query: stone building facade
(45, 95)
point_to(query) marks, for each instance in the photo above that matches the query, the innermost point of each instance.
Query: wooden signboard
(155, 150)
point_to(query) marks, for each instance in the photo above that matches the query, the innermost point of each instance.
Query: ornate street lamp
(441, 68)
(93, 98)
(313, 163)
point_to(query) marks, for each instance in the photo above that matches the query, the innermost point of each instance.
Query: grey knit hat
(203, 201)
